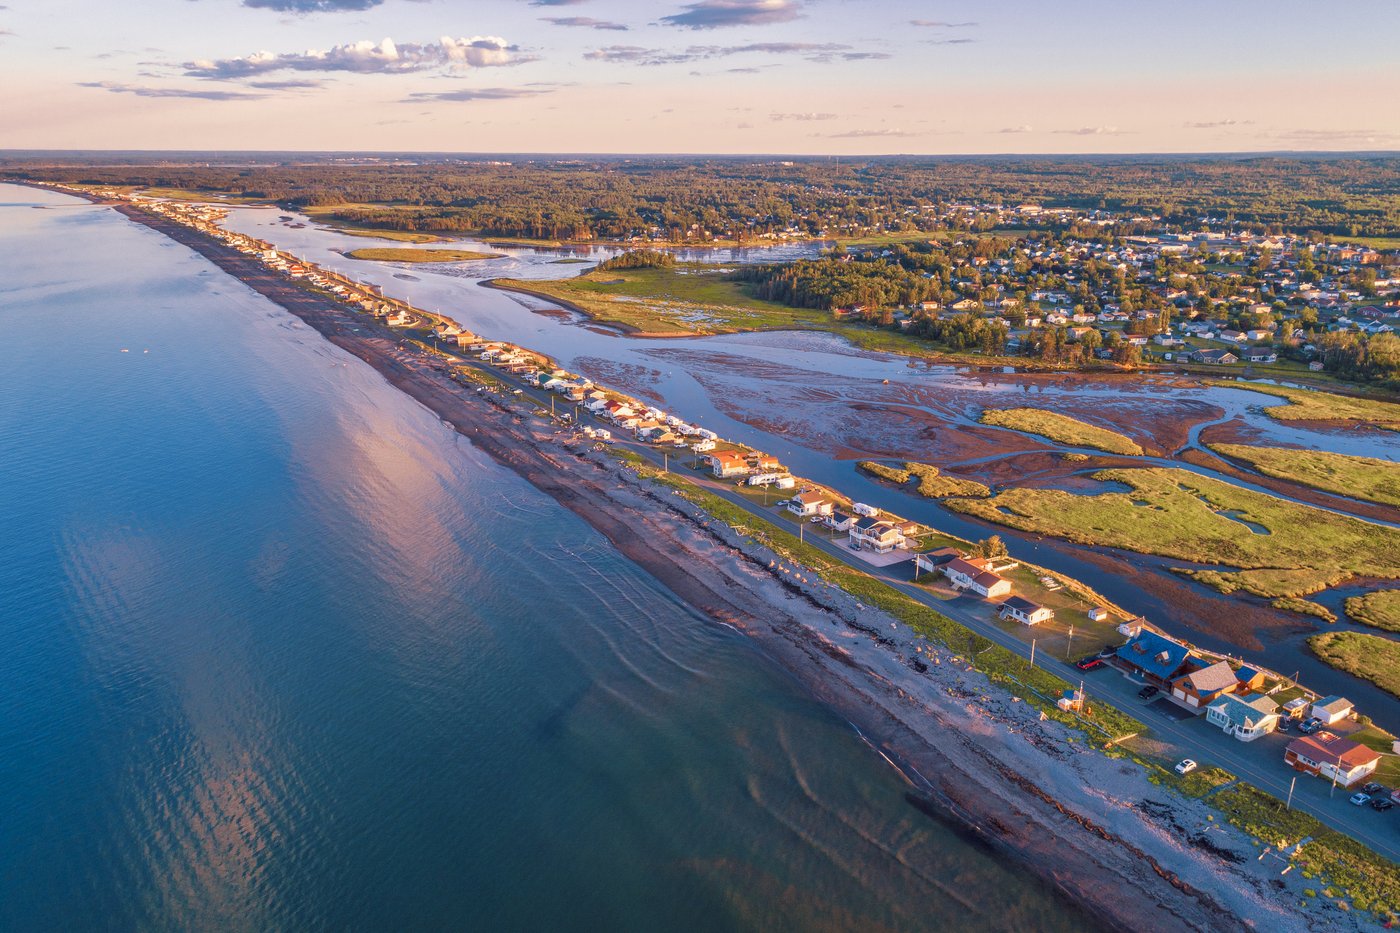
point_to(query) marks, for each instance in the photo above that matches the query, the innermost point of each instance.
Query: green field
(1307, 405)
(1358, 477)
(1368, 656)
(1177, 513)
(1060, 428)
(1380, 609)
(933, 483)
(688, 298)
(394, 254)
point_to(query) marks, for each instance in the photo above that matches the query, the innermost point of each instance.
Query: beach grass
(1370, 657)
(1304, 607)
(885, 472)
(396, 254)
(1176, 513)
(1311, 405)
(1061, 428)
(1379, 609)
(935, 484)
(687, 298)
(1358, 477)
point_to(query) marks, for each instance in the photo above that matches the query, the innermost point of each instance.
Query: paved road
(1260, 763)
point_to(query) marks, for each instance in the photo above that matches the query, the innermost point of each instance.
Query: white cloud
(366, 57)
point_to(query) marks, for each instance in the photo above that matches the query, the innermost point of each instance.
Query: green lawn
(1370, 657)
(395, 254)
(1060, 428)
(1380, 609)
(1358, 477)
(1177, 513)
(1308, 405)
(688, 298)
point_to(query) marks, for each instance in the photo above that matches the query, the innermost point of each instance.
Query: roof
(1247, 710)
(810, 497)
(1245, 674)
(968, 567)
(1219, 676)
(1333, 705)
(1332, 749)
(1020, 604)
(987, 579)
(1156, 654)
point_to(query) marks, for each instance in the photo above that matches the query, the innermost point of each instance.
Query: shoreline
(1083, 823)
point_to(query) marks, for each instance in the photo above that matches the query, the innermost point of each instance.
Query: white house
(1244, 717)
(1025, 611)
(809, 503)
(975, 574)
(1331, 710)
(875, 534)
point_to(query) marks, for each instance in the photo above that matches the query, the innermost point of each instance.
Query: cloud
(1023, 128)
(804, 117)
(949, 41)
(366, 57)
(478, 93)
(1094, 131)
(312, 6)
(640, 55)
(940, 24)
(718, 14)
(865, 134)
(586, 22)
(556, 2)
(194, 93)
(285, 85)
(1216, 124)
(1336, 136)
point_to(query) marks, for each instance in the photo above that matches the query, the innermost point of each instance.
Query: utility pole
(1069, 646)
(1032, 652)
(665, 462)
(1288, 805)
(801, 527)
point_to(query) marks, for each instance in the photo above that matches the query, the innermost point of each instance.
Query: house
(1250, 679)
(1025, 611)
(1331, 710)
(933, 561)
(1245, 717)
(1260, 356)
(764, 463)
(875, 534)
(809, 503)
(839, 521)
(1202, 686)
(1097, 614)
(1332, 757)
(1215, 357)
(726, 463)
(1156, 658)
(975, 574)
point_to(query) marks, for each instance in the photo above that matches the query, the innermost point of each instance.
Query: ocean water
(279, 650)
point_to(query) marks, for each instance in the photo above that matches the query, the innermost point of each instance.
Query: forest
(744, 199)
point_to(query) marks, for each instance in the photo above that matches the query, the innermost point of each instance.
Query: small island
(401, 254)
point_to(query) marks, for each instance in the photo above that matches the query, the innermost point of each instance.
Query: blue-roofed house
(1156, 657)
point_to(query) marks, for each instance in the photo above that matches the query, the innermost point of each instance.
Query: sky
(824, 77)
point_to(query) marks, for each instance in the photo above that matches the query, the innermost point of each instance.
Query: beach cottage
(1245, 717)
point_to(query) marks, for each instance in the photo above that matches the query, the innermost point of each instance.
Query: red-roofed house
(1332, 757)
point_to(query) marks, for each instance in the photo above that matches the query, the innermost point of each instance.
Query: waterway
(280, 650)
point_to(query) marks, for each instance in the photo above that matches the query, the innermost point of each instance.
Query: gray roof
(1219, 676)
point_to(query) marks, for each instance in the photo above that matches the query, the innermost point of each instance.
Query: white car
(1185, 766)
(1360, 800)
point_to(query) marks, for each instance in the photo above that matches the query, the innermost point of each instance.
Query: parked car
(1148, 692)
(1360, 800)
(1373, 788)
(1310, 726)
(1089, 663)
(1107, 652)
(1381, 803)
(1185, 766)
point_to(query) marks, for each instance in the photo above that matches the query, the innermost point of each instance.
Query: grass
(396, 254)
(1308, 405)
(1358, 477)
(1304, 606)
(1370, 657)
(1369, 880)
(889, 473)
(688, 298)
(1177, 513)
(1202, 781)
(1060, 428)
(323, 215)
(1380, 609)
(936, 485)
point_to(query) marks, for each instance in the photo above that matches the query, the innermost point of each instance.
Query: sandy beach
(1135, 855)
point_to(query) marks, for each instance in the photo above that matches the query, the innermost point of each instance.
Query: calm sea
(278, 650)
